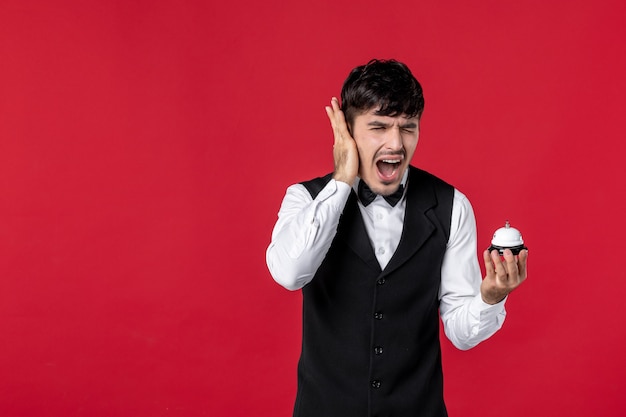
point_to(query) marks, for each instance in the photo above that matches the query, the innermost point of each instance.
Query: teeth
(389, 161)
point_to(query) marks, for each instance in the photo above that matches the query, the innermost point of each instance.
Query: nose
(394, 139)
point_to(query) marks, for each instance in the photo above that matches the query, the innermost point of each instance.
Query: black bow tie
(366, 195)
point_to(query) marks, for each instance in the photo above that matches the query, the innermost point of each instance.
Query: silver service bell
(507, 237)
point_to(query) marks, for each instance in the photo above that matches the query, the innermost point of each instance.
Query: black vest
(370, 344)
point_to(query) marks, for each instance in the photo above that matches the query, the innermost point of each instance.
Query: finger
(510, 264)
(337, 121)
(331, 117)
(501, 272)
(340, 119)
(521, 264)
(489, 267)
(333, 111)
(330, 112)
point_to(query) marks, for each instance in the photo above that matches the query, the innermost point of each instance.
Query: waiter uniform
(370, 344)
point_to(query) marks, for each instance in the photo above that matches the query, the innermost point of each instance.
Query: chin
(387, 188)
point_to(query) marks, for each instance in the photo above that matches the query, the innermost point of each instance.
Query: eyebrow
(378, 123)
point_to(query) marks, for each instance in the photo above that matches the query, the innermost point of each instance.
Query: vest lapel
(352, 229)
(418, 226)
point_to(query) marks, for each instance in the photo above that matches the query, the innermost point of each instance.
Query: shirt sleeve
(304, 232)
(467, 319)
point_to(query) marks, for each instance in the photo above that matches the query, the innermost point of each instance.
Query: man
(380, 249)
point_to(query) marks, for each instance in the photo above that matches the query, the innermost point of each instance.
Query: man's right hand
(345, 153)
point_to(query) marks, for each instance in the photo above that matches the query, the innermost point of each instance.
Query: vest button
(381, 281)
(378, 350)
(378, 315)
(376, 384)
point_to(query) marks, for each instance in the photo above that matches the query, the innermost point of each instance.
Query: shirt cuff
(335, 194)
(484, 312)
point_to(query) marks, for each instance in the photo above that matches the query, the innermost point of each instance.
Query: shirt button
(378, 350)
(379, 216)
(381, 251)
(381, 281)
(378, 315)
(376, 384)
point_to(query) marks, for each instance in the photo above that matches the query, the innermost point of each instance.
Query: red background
(145, 147)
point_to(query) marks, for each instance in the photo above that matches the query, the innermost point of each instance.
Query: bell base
(515, 249)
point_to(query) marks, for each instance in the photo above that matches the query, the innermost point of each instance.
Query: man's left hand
(503, 276)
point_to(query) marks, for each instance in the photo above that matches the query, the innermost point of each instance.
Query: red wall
(145, 147)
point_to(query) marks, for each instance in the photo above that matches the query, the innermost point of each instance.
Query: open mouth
(388, 168)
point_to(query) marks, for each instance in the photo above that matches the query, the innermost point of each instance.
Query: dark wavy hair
(387, 85)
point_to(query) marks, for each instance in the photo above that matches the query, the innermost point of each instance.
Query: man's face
(386, 145)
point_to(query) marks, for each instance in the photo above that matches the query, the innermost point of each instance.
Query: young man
(380, 249)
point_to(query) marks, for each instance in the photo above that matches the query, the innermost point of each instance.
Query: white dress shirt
(305, 230)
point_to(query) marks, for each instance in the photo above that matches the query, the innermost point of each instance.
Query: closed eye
(409, 127)
(377, 125)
